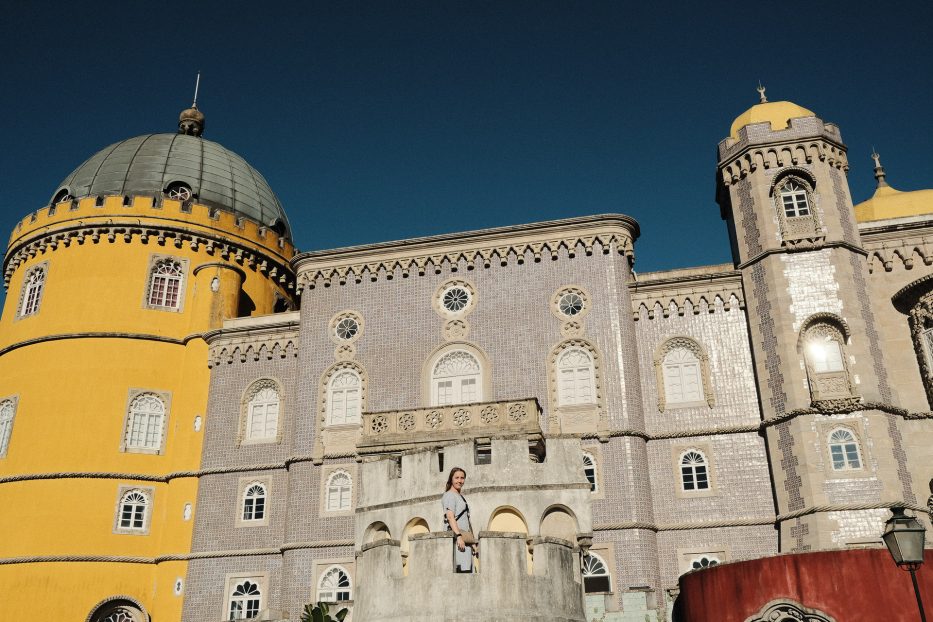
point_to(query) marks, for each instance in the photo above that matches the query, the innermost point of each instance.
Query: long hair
(450, 478)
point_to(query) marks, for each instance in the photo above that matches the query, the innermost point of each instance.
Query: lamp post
(904, 537)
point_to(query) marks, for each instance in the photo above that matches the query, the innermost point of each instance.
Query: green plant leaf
(306, 614)
(317, 615)
(325, 609)
(342, 614)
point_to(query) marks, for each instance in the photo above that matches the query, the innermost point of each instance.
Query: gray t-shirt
(456, 504)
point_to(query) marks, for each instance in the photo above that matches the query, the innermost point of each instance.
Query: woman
(457, 519)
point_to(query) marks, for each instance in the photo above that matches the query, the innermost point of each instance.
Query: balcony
(399, 430)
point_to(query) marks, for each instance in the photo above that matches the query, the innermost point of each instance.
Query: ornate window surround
(585, 415)
(784, 609)
(710, 550)
(243, 485)
(116, 604)
(6, 431)
(677, 454)
(570, 289)
(437, 299)
(324, 392)
(132, 394)
(920, 320)
(249, 393)
(154, 260)
(124, 490)
(20, 307)
(427, 370)
(688, 343)
(327, 474)
(828, 385)
(857, 429)
(797, 228)
(349, 314)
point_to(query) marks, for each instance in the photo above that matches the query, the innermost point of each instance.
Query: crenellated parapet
(254, 338)
(692, 291)
(605, 234)
(152, 220)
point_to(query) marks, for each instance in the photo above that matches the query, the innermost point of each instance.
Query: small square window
(482, 453)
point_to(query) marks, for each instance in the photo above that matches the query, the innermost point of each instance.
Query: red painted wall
(851, 586)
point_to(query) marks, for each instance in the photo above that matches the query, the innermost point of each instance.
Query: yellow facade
(72, 369)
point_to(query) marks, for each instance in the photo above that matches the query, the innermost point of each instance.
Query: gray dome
(148, 164)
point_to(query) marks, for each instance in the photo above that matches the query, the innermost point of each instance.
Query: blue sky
(384, 120)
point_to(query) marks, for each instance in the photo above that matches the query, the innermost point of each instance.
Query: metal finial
(879, 170)
(197, 83)
(761, 94)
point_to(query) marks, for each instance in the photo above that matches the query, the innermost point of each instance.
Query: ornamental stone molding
(485, 248)
(917, 300)
(255, 387)
(694, 347)
(132, 610)
(577, 418)
(341, 438)
(786, 610)
(251, 339)
(903, 247)
(691, 291)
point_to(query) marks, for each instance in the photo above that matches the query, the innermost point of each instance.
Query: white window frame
(826, 355)
(266, 407)
(140, 513)
(590, 471)
(153, 422)
(255, 503)
(690, 466)
(338, 398)
(7, 416)
(338, 497)
(795, 200)
(687, 366)
(591, 562)
(331, 593)
(33, 288)
(239, 605)
(456, 382)
(582, 379)
(836, 440)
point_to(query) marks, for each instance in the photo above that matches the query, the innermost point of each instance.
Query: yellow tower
(146, 246)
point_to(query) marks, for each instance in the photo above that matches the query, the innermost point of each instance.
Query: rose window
(347, 328)
(455, 299)
(570, 304)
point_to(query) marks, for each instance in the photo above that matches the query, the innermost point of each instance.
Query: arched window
(254, 502)
(118, 610)
(683, 380)
(843, 449)
(263, 415)
(794, 199)
(165, 284)
(134, 510)
(693, 471)
(343, 398)
(595, 574)
(703, 561)
(589, 470)
(334, 586)
(6, 425)
(245, 600)
(145, 423)
(825, 354)
(456, 379)
(823, 344)
(339, 491)
(32, 291)
(576, 378)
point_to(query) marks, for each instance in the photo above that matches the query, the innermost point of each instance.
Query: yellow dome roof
(777, 114)
(890, 203)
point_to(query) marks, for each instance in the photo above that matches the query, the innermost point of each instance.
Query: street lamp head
(904, 536)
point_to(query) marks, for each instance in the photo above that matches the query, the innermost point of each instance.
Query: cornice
(484, 247)
(100, 335)
(115, 229)
(252, 341)
(676, 293)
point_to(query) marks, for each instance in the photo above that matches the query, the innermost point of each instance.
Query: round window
(347, 328)
(570, 304)
(455, 299)
(179, 191)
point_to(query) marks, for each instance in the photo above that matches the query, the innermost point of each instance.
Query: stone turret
(533, 520)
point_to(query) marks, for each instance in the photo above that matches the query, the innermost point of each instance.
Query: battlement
(129, 210)
(506, 586)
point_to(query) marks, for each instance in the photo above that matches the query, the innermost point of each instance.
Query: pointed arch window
(794, 198)
(693, 471)
(263, 415)
(456, 379)
(576, 378)
(33, 284)
(245, 600)
(254, 502)
(595, 574)
(7, 410)
(339, 492)
(165, 284)
(343, 398)
(335, 586)
(145, 423)
(683, 379)
(844, 450)
(589, 470)
(134, 512)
